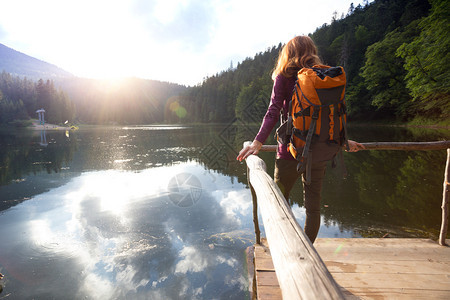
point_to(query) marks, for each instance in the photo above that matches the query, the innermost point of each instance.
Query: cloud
(117, 234)
(191, 261)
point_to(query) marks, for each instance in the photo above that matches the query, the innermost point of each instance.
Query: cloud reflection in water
(116, 234)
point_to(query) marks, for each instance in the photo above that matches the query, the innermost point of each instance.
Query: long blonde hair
(298, 53)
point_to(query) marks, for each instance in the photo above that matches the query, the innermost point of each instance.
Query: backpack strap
(311, 104)
(305, 160)
(344, 124)
(311, 130)
(344, 142)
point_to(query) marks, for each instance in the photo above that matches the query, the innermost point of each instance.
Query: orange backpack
(316, 88)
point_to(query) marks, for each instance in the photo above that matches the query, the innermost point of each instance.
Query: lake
(164, 212)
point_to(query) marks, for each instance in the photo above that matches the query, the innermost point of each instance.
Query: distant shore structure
(40, 113)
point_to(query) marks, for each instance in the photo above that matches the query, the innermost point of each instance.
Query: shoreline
(47, 126)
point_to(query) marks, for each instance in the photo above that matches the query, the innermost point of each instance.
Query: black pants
(285, 177)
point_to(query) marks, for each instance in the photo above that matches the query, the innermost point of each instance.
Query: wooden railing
(438, 145)
(300, 271)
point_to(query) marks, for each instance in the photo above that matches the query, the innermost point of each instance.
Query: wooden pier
(343, 268)
(371, 268)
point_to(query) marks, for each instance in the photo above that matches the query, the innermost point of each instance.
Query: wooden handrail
(300, 271)
(438, 145)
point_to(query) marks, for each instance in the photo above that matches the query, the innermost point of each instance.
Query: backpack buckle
(315, 114)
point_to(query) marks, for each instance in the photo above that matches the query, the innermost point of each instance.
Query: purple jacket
(281, 95)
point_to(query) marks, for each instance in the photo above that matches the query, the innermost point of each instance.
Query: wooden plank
(269, 293)
(378, 242)
(387, 267)
(264, 264)
(438, 145)
(267, 286)
(387, 255)
(263, 260)
(382, 250)
(405, 281)
(395, 278)
(266, 278)
(300, 270)
(398, 293)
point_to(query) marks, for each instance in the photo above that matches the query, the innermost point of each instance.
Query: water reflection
(404, 190)
(117, 234)
(151, 213)
(44, 139)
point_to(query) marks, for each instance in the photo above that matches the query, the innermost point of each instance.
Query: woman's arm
(270, 118)
(354, 146)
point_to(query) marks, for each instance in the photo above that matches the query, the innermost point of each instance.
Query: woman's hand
(354, 146)
(253, 148)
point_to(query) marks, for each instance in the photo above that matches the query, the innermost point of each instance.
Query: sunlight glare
(40, 231)
(96, 39)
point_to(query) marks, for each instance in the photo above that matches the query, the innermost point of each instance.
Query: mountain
(67, 97)
(19, 64)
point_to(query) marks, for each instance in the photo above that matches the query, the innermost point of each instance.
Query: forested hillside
(20, 98)
(395, 53)
(218, 97)
(80, 100)
(125, 101)
(28, 84)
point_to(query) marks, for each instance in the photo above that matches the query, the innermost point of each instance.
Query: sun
(106, 57)
(107, 45)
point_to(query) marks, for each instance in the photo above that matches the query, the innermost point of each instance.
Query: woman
(298, 53)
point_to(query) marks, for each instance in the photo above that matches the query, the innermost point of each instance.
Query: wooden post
(255, 204)
(445, 199)
(300, 271)
(255, 210)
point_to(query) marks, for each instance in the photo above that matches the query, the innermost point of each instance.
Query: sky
(179, 41)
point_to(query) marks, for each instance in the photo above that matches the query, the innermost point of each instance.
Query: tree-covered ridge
(364, 43)
(223, 96)
(126, 101)
(427, 62)
(395, 53)
(20, 98)
(78, 100)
